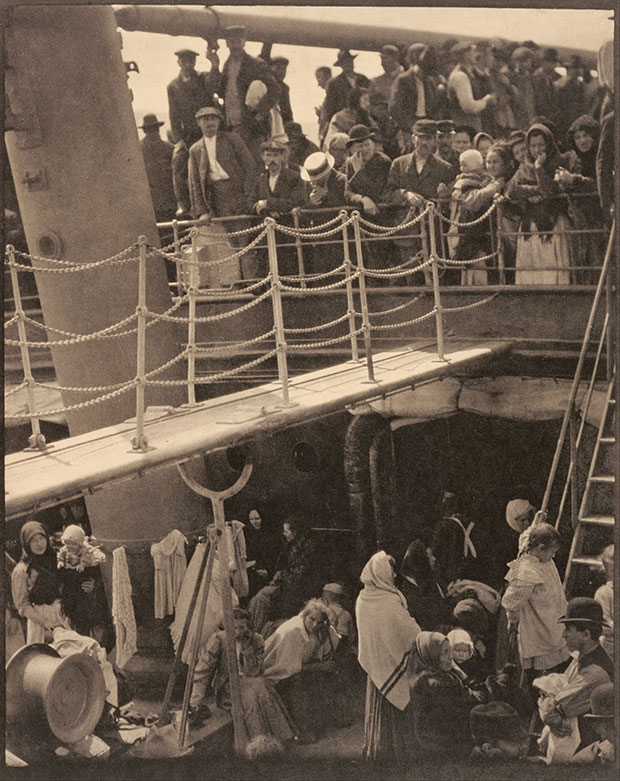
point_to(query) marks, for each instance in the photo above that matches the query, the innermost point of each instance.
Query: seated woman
(295, 580)
(426, 600)
(543, 251)
(263, 710)
(35, 585)
(440, 701)
(299, 656)
(260, 544)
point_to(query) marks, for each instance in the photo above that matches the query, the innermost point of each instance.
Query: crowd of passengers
(464, 125)
(464, 646)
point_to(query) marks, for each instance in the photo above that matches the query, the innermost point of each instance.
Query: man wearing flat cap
(589, 668)
(338, 88)
(221, 172)
(248, 118)
(415, 178)
(467, 95)
(390, 62)
(446, 130)
(188, 92)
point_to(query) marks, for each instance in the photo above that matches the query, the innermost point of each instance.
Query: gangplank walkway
(35, 479)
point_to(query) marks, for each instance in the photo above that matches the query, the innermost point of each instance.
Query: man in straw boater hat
(324, 190)
(188, 92)
(590, 668)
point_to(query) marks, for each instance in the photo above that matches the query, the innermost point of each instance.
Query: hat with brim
(602, 702)
(234, 31)
(583, 610)
(274, 144)
(424, 127)
(316, 166)
(186, 53)
(208, 111)
(445, 126)
(359, 133)
(344, 54)
(150, 120)
(333, 588)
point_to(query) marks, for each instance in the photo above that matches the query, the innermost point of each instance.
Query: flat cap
(445, 126)
(234, 31)
(208, 111)
(425, 127)
(186, 53)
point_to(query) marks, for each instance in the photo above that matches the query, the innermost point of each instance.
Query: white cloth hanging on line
(170, 563)
(122, 609)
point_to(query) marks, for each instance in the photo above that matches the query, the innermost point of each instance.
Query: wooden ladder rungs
(604, 479)
(588, 561)
(601, 520)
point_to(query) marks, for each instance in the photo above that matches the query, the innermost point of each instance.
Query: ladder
(596, 510)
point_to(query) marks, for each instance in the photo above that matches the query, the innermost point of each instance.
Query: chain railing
(422, 256)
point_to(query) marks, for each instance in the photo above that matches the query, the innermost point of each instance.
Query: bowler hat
(446, 126)
(150, 120)
(583, 610)
(208, 111)
(344, 54)
(186, 53)
(359, 133)
(602, 702)
(316, 166)
(495, 721)
(234, 31)
(426, 127)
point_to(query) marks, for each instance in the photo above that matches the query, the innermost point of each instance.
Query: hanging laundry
(122, 609)
(170, 565)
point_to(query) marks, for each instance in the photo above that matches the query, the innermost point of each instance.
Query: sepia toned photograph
(311, 321)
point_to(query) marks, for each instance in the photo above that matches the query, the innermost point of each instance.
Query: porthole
(305, 457)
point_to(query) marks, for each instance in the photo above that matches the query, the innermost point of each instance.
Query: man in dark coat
(413, 92)
(279, 66)
(276, 192)
(221, 172)
(186, 94)
(446, 130)
(545, 91)
(251, 122)
(415, 178)
(157, 155)
(300, 146)
(338, 88)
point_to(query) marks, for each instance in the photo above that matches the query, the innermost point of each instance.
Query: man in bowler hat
(338, 88)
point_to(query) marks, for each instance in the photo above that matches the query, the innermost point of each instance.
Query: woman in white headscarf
(386, 634)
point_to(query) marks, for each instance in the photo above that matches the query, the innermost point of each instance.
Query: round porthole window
(305, 457)
(50, 245)
(236, 458)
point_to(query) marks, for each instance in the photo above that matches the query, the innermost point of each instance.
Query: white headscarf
(386, 630)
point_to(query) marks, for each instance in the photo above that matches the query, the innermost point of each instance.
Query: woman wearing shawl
(534, 601)
(299, 657)
(35, 585)
(584, 208)
(440, 701)
(386, 633)
(543, 253)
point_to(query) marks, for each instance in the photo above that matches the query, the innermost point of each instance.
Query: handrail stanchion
(574, 499)
(139, 442)
(177, 254)
(433, 258)
(500, 244)
(278, 317)
(363, 297)
(36, 440)
(425, 252)
(349, 286)
(191, 327)
(578, 370)
(300, 252)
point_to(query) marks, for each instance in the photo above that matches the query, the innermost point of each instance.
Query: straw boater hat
(316, 166)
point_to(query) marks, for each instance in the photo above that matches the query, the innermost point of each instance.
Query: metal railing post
(349, 285)
(191, 326)
(139, 442)
(574, 499)
(500, 245)
(36, 440)
(363, 297)
(425, 252)
(437, 296)
(278, 317)
(298, 244)
(177, 254)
